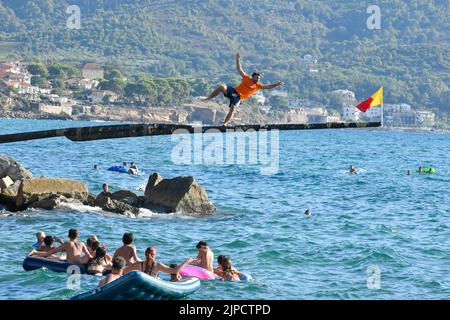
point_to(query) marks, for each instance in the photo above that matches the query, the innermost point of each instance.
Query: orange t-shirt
(247, 88)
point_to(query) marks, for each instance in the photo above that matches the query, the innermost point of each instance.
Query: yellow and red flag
(375, 100)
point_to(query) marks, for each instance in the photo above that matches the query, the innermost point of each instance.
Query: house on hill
(92, 71)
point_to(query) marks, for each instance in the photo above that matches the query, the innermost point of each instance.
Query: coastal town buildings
(349, 113)
(92, 71)
(98, 96)
(426, 118)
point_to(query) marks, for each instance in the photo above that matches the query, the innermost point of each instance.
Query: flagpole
(382, 109)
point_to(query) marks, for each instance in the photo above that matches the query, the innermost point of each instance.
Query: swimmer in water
(353, 169)
(308, 212)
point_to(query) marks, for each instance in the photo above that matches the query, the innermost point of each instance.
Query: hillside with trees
(313, 46)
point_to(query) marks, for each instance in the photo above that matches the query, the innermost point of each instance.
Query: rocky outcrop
(153, 180)
(11, 168)
(180, 194)
(120, 207)
(34, 192)
(6, 182)
(11, 175)
(8, 195)
(121, 202)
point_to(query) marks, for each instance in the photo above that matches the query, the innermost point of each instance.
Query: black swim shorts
(233, 95)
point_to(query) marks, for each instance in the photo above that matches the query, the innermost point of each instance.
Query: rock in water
(38, 189)
(180, 194)
(8, 195)
(120, 207)
(13, 169)
(125, 196)
(6, 182)
(153, 180)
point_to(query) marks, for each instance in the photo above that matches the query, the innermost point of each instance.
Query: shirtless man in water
(128, 250)
(118, 265)
(205, 257)
(73, 249)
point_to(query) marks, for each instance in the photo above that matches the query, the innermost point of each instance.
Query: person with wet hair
(229, 273)
(152, 267)
(73, 248)
(128, 250)
(205, 256)
(219, 270)
(118, 265)
(99, 263)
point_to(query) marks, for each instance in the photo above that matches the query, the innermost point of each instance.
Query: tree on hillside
(38, 69)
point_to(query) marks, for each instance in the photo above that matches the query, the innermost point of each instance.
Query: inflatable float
(245, 277)
(427, 170)
(121, 169)
(197, 272)
(203, 274)
(33, 263)
(137, 285)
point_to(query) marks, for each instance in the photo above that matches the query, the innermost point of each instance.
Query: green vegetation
(197, 39)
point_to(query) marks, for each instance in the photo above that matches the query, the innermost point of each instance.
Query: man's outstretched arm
(238, 65)
(273, 85)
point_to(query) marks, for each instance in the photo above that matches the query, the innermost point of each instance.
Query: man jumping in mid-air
(248, 87)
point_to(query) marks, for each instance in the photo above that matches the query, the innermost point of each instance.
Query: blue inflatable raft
(33, 263)
(138, 285)
(119, 169)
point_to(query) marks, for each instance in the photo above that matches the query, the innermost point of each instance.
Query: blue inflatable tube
(119, 169)
(33, 263)
(138, 285)
(245, 277)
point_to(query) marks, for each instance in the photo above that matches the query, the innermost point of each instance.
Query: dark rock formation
(180, 194)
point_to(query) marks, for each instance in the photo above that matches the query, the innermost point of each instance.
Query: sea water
(379, 234)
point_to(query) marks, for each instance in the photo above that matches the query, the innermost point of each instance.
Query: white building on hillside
(349, 111)
(92, 71)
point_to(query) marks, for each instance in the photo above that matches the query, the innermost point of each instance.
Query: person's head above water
(105, 187)
(100, 252)
(256, 77)
(202, 246)
(174, 276)
(118, 263)
(127, 238)
(226, 264)
(73, 234)
(40, 236)
(95, 167)
(408, 172)
(91, 240)
(150, 252)
(420, 169)
(48, 240)
(124, 164)
(220, 259)
(95, 245)
(308, 212)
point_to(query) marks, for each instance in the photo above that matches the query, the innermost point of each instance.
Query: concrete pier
(140, 130)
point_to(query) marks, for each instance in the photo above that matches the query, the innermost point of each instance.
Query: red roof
(22, 84)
